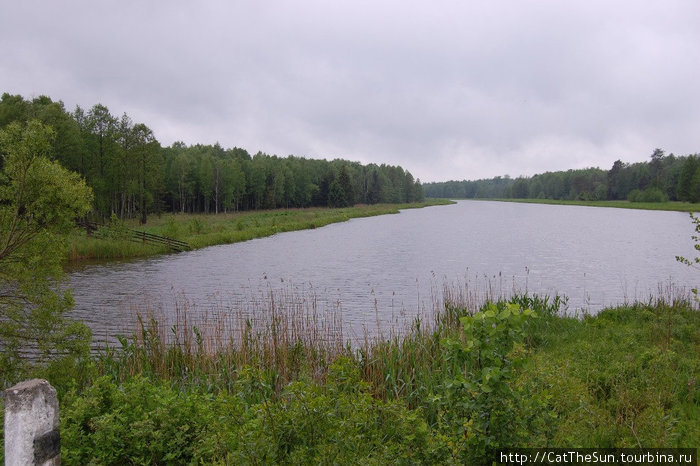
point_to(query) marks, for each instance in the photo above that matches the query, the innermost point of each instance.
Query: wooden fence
(103, 231)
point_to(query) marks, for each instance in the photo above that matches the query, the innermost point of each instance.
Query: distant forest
(133, 175)
(662, 178)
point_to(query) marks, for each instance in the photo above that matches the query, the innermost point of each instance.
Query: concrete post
(31, 424)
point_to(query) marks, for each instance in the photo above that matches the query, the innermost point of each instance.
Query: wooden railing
(102, 231)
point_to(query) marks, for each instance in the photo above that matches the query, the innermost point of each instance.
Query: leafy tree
(206, 180)
(374, 187)
(131, 175)
(336, 195)
(233, 181)
(100, 126)
(12, 108)
(346, 185)
(685, 189)
(656, 167)
(148, 157)
(38, 200)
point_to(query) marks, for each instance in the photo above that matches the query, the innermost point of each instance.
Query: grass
(278, 383)
(200, 230)
(628, 377)
(670, 205)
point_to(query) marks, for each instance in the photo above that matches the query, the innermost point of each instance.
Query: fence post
(31, 424)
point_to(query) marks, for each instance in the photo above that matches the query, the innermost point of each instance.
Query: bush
(648, 195)
(147, 422)
(482, 408)
(144, 422)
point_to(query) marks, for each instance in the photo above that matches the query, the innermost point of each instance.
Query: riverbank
(199, 230)
(675, 206)
(476, 377)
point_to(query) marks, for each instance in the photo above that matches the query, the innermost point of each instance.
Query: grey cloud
(446, 89)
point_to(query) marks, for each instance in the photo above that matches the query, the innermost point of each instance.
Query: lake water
(381, 271)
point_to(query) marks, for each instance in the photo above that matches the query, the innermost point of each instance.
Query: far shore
(202, 230)
(675, 206)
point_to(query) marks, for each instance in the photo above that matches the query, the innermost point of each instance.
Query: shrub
(482, 409)
(144, 422)
(648, 195)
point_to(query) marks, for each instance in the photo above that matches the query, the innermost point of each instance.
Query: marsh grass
(284, 333)
(82, 248)
(291, 333)
(626, 377)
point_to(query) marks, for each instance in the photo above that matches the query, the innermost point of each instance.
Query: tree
(336, 195)
(101, 127)
(346, 185)
(685, 191)
(656, 167)
(38, 201)
(148, 157)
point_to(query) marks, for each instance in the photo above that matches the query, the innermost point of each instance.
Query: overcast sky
(446, 89)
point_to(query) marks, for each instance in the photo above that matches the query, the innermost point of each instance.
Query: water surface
(381, 271)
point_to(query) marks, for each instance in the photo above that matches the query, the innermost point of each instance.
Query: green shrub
(648, 195)
(482, 407)
(145, 422)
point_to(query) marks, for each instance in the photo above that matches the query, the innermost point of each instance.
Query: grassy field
(200, 230)
(670, 205)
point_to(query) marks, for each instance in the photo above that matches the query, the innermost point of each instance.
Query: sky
(458, 90)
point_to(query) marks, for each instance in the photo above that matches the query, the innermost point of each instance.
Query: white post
(31, 424)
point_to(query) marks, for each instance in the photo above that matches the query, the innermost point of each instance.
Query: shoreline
(671, 206)
(203, 230)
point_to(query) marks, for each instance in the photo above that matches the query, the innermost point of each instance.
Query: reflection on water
(380, 272)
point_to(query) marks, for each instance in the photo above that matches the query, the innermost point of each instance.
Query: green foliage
(196, 226)
(117, 229)
(693, 262)
(146, 422)
(336, 195)
(172, 227)
(648, 195)
(132, 175)
(663, 178)
(38, 201)
(482, 409)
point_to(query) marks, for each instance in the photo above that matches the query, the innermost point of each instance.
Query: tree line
(132, 175)
(662, 178)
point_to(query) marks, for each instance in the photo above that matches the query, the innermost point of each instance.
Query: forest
(662, 178)
(132, 175)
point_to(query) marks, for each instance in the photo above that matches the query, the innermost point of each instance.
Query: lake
(380, 272)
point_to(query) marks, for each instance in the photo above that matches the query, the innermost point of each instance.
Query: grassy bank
(670, 205)
(200, 230)
(285, 388)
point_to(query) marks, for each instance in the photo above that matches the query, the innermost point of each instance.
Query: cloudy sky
(446, 89)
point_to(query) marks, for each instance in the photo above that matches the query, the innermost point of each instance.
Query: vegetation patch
(509, 372)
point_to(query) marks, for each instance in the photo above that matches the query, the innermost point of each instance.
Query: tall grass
(289, 334)
(619, 378)
(284, 333)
